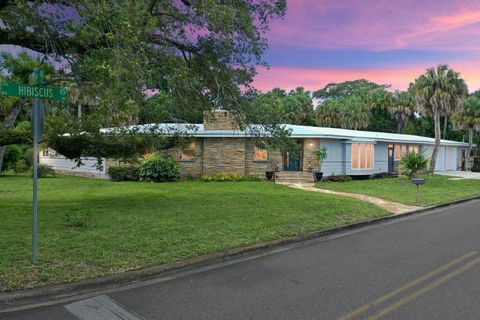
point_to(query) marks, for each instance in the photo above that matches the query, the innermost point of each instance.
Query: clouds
(386, 41)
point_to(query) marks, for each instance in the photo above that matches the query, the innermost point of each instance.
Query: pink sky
(381, 40)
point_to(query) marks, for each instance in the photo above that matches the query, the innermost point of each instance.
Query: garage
(451, 159)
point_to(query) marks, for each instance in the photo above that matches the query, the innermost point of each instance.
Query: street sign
(36, 92)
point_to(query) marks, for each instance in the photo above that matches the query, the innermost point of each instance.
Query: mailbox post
(417, 182)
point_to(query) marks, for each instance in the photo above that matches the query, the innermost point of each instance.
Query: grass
(438, 189)
(132, 225)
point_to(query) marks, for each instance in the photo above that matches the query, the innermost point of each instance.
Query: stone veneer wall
(223, 155)
(219, 120)
(309, 145)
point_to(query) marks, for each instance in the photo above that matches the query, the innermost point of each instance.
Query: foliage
(413, 163)
(197, 55)
(12, 157)
(440, 91)
(125, 173)
(78, 219)
(293, 107)
(469, 119)
(45, 171)
(320, 155)
(229, 177)
(350, 112)
(360, 88)
(383, 175)
(402, 106)
(337, 178)
(159, 169)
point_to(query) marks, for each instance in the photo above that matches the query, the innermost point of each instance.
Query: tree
(202, 54)
(439, 89)
(355, 113)
(469, 119)
(359, 87)
(16, 69)
(401, 107)
(327, 114)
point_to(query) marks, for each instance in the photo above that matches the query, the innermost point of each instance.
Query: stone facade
(224, 155)
(219, 120)
(309, 145)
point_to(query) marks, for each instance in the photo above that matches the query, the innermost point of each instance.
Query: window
(45, 153)
(362, 156)
(260, 154)
(189, 153)
(403, 150)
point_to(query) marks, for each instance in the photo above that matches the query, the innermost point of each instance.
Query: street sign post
(36, 91)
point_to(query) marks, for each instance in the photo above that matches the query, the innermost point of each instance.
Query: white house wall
(64, 165)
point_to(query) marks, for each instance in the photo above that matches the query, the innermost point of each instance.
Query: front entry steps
(294, 177)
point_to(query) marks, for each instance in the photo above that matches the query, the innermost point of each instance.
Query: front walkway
(460, 174)
(393, 207)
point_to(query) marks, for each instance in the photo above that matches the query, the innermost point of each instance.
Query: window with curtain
(402, 149)
(362, 156)
(260, 154)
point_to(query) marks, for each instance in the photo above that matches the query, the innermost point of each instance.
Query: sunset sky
(385, 41)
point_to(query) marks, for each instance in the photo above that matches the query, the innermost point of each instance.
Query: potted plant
(319, 155)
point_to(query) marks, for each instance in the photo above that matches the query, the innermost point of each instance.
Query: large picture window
(402, 150)
(362, 156)
(189, 153)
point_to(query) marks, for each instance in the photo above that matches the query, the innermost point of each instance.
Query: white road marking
(100, 308)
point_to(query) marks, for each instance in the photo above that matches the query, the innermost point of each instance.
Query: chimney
(219, 120)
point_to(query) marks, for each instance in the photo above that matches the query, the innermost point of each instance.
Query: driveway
(425, 266)
(460, 174)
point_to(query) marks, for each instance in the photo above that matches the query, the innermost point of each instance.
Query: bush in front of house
(129, 173)
(337, 178)
(159, 169)
(229, 177)
(383, 175)
(45, 171)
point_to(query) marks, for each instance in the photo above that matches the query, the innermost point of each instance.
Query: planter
(270, 175)
(318, 176)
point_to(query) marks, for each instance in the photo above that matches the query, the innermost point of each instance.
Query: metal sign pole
(36, 122)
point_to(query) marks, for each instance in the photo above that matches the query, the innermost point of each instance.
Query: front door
(391, 157)
(293, 161)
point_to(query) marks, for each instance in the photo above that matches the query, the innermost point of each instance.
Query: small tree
(320, 155)
(413, 163)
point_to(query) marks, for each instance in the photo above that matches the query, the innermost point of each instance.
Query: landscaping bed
(90, 228)
(437, 190)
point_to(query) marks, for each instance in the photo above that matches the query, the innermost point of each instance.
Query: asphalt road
(421, 267)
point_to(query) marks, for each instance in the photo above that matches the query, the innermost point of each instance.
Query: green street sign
(36, 92)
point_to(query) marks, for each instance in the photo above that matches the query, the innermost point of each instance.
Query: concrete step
(294, 177)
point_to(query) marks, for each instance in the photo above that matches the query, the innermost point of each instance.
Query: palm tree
(355, 113)
(469, 119)
(438, 90)
(401, 107)
(327, 114)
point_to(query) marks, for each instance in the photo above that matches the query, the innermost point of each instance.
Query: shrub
(11, 158)
(413, 163)
(229, 176)
(45, 171)
(130, 173)
(77, 219)
(337, 178)
(383, 175)
(159, 169)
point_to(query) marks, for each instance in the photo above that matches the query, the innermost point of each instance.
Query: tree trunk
(438, 132)
(445, 125)
(9, 123)
(470, 143)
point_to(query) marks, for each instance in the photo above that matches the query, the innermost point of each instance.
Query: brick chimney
(219, 120)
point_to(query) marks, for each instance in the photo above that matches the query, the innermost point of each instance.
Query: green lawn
(140, 224)
(438, 189)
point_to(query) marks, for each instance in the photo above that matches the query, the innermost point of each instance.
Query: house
(219, 146)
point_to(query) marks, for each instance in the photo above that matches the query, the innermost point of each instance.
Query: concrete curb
(23, 298)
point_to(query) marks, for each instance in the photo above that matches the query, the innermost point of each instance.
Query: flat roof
(197, 130)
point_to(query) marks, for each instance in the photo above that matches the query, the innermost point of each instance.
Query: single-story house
(219, 146)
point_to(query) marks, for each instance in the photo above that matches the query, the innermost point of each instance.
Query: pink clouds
(378, 24)
(314, 79)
